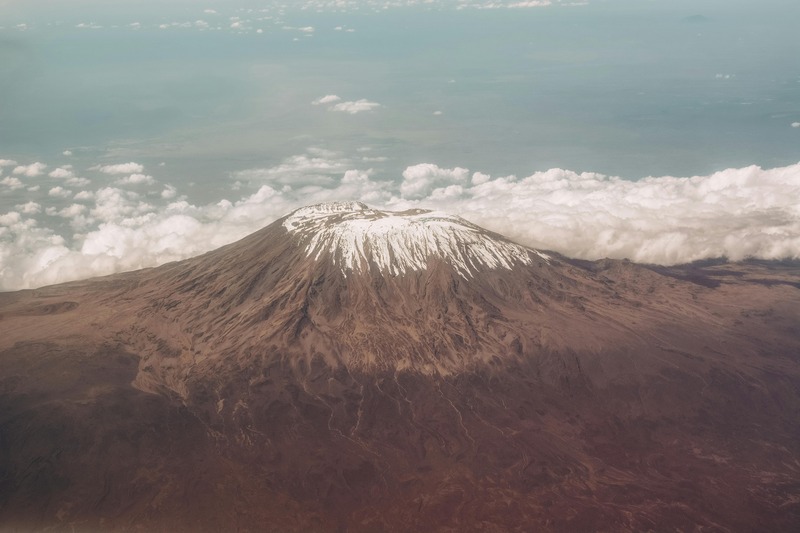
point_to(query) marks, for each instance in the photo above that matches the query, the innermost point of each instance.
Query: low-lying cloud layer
(137, 220)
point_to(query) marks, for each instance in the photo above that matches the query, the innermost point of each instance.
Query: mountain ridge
(556, 394)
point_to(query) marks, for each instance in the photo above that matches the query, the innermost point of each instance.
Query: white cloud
(359, 106)
(30, 208)
(122, 168)
(796, 124)
(59, 192)
(78, 182)
(12, 183)
(7, 163)
(10, 218)
(31, 171)
(72, 211)
(84, 195)
(117, 205)
(136, 179)
(421, 180)
(327, 99)
(169, 192)
(735, 213)
(67, 153)
(61, 172)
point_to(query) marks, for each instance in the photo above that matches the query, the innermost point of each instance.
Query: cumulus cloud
(59, 192)
(169, 192)
(736, 213)
(358, 106)
(327, 99)
(10, 219)
(420, 181)
(61, 172)
(121, 168)
(77, 182)
(30, 208)
(31, 171)
(137, 179)
(84, 195)
(12, 183)
(796, 124)
(72, 211)
(7, 163)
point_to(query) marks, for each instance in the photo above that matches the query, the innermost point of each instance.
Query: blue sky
(223, 104)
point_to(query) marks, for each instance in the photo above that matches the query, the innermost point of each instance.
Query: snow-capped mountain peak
(356, 236)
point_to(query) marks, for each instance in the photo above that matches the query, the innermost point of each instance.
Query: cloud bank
(57, 235)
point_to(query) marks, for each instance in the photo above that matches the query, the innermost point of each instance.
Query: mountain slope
(351, 369)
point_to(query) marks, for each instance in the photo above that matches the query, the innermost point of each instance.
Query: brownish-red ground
(254, 389)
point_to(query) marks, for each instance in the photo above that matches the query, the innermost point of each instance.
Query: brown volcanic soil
(254, 389)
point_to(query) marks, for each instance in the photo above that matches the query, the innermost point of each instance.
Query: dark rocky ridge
(256, 388)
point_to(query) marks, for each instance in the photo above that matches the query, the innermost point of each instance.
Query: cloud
(10, 219)
(61, 172)
(78, 182)
(316, 167)
(508, 5)
(359, 106)
(122, 168)
(169, 192)
(72, 211)
(796, 124)
(421, 180)
(137, 179)
(31, 171)
(735, 213)
(353, 107)
(59, 192)
(12, 183)
(7, 163)
(30, 208)
(84, 195)
(327, 99)
(738, 213)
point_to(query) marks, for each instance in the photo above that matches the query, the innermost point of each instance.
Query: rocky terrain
(347, 369)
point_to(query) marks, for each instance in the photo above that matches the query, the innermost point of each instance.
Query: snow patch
(356, 236)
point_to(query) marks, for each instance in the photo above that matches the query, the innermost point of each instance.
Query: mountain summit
(356, 237)
(350, 369)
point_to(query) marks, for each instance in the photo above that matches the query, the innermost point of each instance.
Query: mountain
(350, 369)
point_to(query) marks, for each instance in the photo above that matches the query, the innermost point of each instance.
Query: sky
(136, 133)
